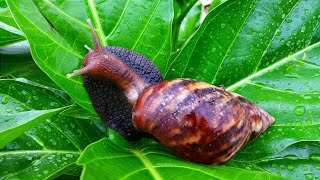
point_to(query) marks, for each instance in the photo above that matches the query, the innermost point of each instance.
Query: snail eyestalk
(97, 45)
(88, 48)
(85, 70)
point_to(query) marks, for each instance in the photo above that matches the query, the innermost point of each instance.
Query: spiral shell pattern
(198, 121)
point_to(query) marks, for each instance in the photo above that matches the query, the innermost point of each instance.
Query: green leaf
(216, 3)
(18, 95)
(50, 149)
(13, 125)
(145, 159)
(8, 37)
(298, 161)
(58, 50)
(241, 37)
(181, 9)
(8, 28)
(6, 17)
(190, 23)
(43, 149)
(289, 90)
(19, 65)
(23, 106)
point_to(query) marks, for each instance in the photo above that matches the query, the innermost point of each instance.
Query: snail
(199, 122)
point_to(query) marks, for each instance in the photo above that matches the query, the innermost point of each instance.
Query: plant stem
(180, 13)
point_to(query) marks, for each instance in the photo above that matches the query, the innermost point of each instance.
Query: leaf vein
(231, 45)
(274, 35)
(147, 24)
(118, 23)
(267, 69)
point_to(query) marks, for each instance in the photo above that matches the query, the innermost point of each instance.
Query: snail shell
(199, 122)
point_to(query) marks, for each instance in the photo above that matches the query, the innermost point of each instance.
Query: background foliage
(265, 50)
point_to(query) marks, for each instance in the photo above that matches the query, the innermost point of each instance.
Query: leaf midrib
(46, 151)
(283, 91)
(97, 21)
(147, 164)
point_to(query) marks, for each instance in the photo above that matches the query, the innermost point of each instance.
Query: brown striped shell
(199, 122)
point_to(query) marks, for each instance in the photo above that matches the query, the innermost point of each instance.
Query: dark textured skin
(109, 100)
(138, 63)
(199, 122)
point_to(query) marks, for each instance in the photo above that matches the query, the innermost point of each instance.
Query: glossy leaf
(298, 161)
(240, 37)
(6, 17)
(19, 65)
(48, 150)
(181, 9)
(19, 113)
(44, 149)
(150, 160)
(13, 125)
(8, 29)
(8, 37)
(52, 147)
(190, 23)
(289, 90)
(216, 3)
(57, 43)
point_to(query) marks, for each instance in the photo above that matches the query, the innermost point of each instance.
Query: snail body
(196, 120)
(110, 101)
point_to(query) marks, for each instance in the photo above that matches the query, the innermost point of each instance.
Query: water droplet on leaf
(299, 110)
(5, 99)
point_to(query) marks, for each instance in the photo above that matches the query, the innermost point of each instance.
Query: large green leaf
(50, 148)
(240, 37)
(261, 50)
(298, 161)
(13, 125)
(45, 141)
(289, 90)
(149, 160)
(57, 43)
(19, 65)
